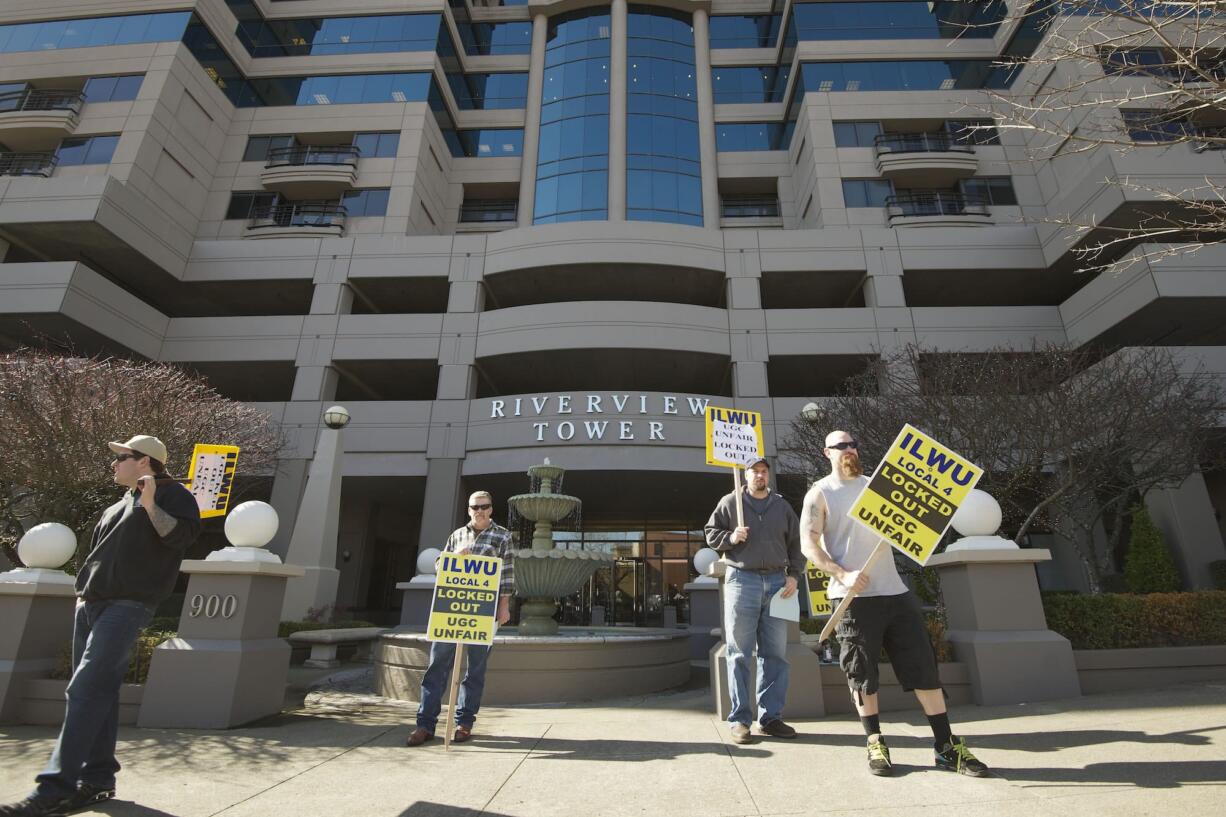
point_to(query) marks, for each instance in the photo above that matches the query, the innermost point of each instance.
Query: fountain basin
(555, 573)
(577, 664)
(543, 507)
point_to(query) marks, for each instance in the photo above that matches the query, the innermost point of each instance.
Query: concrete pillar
(804, 699)
(227, 666)
(617, 110)
(4, 248)
(998, 629)
(1186, 518)
(286, 498)
(706, 121)
(36, 607)
(441, 502)
(532, 120)
(415, 608)
(313, 545)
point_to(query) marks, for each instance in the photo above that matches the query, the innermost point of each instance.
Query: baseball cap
(754, 462)
(142, 444)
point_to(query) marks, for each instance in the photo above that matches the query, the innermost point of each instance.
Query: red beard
(849, 466)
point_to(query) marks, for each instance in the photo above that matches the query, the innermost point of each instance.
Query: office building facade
(503, 231)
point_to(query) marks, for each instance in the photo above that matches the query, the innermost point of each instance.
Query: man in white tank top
(884, 613)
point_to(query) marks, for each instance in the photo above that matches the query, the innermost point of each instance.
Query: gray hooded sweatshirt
(774, 536)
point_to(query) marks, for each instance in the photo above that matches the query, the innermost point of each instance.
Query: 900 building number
(213, 606)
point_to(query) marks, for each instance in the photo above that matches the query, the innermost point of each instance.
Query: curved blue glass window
(755, 83)
(663, 173)
(339, 35)
(897, 20)
(734, 136)
(744, 31)
(572, 171)
(93, 31)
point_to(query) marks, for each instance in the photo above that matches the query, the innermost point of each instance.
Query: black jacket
(128, 560)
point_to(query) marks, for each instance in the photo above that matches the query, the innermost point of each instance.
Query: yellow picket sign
(911, 498)
(211, 477)
(734, 437)
(465, 605)
(817, 582)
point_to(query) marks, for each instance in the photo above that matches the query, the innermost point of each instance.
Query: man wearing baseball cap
(132, 566)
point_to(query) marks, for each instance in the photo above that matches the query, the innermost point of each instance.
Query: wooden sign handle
(736, 489)
(837, 615)
(455, 684)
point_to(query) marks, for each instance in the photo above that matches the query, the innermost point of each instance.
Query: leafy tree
(1148, 567)
(58, 413)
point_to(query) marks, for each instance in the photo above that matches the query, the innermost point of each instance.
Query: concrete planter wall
(955, 679)
(1149, 667)
(43, 702)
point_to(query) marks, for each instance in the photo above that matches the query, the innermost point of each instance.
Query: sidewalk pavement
(341, 754)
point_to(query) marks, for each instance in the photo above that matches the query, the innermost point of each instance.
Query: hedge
(1121, 620)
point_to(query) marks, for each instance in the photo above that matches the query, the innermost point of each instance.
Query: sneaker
(778, 729)
(88, 794)
(955, 757)
(740, 733)
(879, 757)
(37, 805)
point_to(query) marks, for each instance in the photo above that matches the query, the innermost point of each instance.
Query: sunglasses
(122, 457)
(845, 446)
(479, 507)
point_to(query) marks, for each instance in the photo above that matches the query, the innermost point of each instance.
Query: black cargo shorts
(895, 623)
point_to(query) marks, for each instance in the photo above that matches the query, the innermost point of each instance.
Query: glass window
(904, 75)
(866, 192)
(990, 189)
(112, 89)
(496, 38)
(897, 19)
(856, 134)
(765, 83)
(258, 147)
(377, 145)
(243, 203)
(86, 32)
(973, 131)
(369, 202)
(489, 91)
(339, 35)
(86, 150)
(1154, 125)
(744, 31)
(487, 142)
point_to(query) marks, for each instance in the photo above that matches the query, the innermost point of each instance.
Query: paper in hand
(788, 608)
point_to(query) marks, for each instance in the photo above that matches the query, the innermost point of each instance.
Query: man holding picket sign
(882, 611)
(456, 633)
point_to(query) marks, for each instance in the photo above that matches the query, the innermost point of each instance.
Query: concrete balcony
(300, 220)
(310, 171)
(36, 119)
(924, 159)
(936, 208)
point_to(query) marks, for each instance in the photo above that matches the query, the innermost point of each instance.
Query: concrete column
(617, 110)
(998, 629)
(227, 666)
(36, 607)
(4, 248)
(706, 121)
(1186, 518)
(286, 497)
(313, 544)
(441, 503)
(532, 120)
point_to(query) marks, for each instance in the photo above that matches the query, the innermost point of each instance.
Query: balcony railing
(297, 215)
(37, 99)
(749, 207)
(487, 212)
(919, 143)
(27, 164)
(934, 203)
(313, 155)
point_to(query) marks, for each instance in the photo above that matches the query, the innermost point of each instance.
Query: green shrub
(288, 628)
(1148, 567)
(1112, 621)
(138, 666)
(1217, 572)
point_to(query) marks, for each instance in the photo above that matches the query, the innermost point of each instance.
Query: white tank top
(849, 543)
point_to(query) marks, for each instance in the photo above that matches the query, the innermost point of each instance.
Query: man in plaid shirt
(480, 537)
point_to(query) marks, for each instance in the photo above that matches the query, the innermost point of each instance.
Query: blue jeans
(102, 639)
(438, 673)
(748, 624)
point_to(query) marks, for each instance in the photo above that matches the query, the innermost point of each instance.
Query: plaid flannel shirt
(493, 541)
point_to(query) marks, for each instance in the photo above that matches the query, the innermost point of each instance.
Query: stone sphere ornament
(336, 417)
(47, 546)
(978, 515)
(425, 561)
(703, 560)
(252, 525)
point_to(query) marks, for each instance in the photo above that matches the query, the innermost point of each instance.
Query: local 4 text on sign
(912, 496)
(817, 583)
(734, 437)
(465, 599)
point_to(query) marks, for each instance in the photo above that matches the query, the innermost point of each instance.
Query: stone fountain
(544, 573)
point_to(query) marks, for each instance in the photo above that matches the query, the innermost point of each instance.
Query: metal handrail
(314, 155)
(749, 207)
(477, 212)
(302, 214)
(41, 99)
(27, 164)
(919, 143)
(934, 203)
